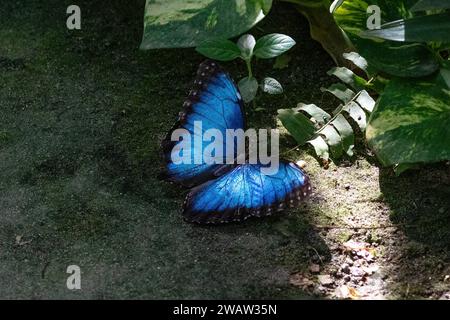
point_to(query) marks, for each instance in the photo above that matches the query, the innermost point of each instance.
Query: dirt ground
(82, 115)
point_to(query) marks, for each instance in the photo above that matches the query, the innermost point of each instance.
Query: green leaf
(282, 61)
(319, 115)
(357, 60)
(410, 123)
(335, 134)
(222, 50)
(320, 147)
(352, 16)
(335, 4)
(346, 132)
(266, 5)
(365, 101)
(418, 29)
(246, 43)
(271, 86)
(248, 88)
(340, 91)
(424, 5)
(402, 167)
(393, 58)
(333, 139)
(445, 74)
(407, 60)
(179, 23)
(348, 77)
(273, 45)
(357, 114)
(297, 124)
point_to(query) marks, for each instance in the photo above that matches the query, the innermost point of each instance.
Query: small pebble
(325, 280)
(314, 268)
(345, 268)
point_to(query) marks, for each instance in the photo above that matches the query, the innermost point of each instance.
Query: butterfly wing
(216, 102)
(245, 191)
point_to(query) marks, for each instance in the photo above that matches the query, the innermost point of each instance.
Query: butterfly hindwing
(244, 192)
(214, 102)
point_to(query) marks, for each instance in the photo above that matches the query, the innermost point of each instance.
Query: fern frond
(333, 133)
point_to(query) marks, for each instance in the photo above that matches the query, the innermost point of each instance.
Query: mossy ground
(82, 115)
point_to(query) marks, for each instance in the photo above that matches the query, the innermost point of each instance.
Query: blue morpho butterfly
(223, 192)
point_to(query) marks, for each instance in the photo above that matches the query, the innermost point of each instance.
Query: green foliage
(327, 133)
(409, 122)
(179, 23)
(248, 87)
(282, 61)
(271, 86)
(273, 45)
(405, 58)
(427, 28)
(268, 46)
(220, 49)
(423, 5)
(395, 58)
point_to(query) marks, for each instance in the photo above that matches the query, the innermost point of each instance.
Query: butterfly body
(226, 192)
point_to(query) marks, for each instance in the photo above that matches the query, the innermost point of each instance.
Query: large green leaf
(180, 23)
(393, 58)
(411, 123)
(219, 49)
(402, 60)
(423, 5)
(429, 28)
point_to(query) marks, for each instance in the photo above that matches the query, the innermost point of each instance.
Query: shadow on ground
(82, 114)
(420, 206)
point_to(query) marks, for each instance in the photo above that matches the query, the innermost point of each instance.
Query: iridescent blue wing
(216, 102)
(244, 192)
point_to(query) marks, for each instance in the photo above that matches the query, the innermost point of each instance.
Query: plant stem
(249, 67)
(248, 62)
(335, 116)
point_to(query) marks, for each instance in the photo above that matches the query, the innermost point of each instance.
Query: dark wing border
(292, 199)
(206, 70)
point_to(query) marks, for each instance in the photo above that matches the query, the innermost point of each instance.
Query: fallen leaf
(346, 292)
(353, 293)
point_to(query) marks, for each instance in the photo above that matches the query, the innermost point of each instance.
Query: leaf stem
(249, 67)
(335, 116)
(248, 63)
